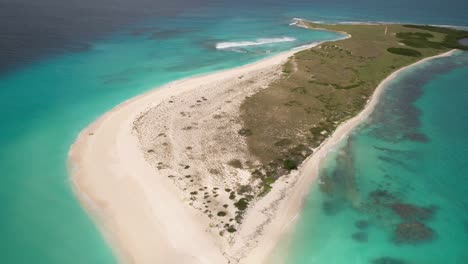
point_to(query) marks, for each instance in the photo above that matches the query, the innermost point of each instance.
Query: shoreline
(309, 171)
(372, 22)
(106, 160)
(98, 176)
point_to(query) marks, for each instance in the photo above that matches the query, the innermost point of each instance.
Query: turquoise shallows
(410, 152)
(45, 105)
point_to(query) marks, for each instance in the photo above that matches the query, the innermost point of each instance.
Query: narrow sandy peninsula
(144, 214)
(214, 168)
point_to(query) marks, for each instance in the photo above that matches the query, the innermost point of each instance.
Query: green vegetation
(266, 185)
(405, 52)
(287, 67)
(231, 229)
(243, 189)
(324, 86)
(419, 40)
(242, 204)
(283, 142)
(245, 132)
(290, 164)
(221, 213)
(235, 163)
(451, 36)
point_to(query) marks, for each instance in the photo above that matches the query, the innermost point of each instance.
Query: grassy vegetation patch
(419, 40)
(283, 142)
(405, 52)
(325, 86)
(414, 35)
(452, 36)
(299, 90)
(339, 86)
(287, 67)
(293, 103)
(266, 185)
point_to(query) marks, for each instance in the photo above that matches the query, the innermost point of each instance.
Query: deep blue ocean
(64, 63)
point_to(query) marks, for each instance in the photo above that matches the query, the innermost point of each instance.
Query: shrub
(245, 132)
(289, 164)
(241, 204)
(405, 52)
(283, 142)
(221, 213)
(235, 163)
(244, 189)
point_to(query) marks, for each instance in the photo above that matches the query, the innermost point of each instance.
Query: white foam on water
(257, 42)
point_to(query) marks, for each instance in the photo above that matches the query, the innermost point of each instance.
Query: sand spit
(143, 214)
(157, 172)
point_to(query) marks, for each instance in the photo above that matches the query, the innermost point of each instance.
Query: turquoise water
(395, 191)
(62, 65)
(45, 105)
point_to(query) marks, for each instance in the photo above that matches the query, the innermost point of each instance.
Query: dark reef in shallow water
(362, 224)
(360, 237)
(397, 153)
(416, 137)
(388, 260)
(340, 184)
(397, 118)
(382, 197)
(411, 212)
(331, 208)
(413, 232)
(395, 162)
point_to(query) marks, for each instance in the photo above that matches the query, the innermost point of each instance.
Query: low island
(214, 168)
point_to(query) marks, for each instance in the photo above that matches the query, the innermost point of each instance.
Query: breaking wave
(257, 42)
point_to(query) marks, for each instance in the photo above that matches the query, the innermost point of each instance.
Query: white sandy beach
(290, 207)
(142, 215)
(145, 216)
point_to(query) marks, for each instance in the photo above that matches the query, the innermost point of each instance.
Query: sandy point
(146, 219)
